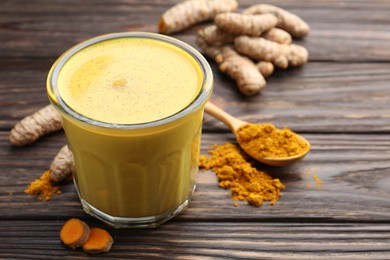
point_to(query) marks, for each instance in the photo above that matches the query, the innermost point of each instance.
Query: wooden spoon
(234, 124)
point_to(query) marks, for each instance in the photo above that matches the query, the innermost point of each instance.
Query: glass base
(141, 222)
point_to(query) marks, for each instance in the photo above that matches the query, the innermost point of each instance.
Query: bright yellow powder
(266, 140)
(235, 172)
(43, 187)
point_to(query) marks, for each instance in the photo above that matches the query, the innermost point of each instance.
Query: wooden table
(340, 101)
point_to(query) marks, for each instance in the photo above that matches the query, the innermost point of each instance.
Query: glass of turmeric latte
(132, 107)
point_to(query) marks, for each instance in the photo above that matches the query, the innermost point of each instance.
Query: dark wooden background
(340, 101)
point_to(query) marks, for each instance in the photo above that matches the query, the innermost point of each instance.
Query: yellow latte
(131, 169)
(129, 81)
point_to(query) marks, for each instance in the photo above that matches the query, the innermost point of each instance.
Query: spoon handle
(232, 122)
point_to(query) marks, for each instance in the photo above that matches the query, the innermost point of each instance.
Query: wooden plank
(353, 168)
(339, 101)
(203, 240)
(341, 30)
(333, 98)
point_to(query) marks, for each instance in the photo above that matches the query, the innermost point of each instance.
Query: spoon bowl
(234, 124)
(282, 161)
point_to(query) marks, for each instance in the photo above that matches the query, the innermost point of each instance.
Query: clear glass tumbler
(134, 175)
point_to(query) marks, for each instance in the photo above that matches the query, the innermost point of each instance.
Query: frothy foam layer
(129, 81)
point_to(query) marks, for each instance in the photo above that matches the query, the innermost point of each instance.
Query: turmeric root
(266, 68)
(210, 50)
(273, 49)
(280, 55)
(214, 36)
(62, 165)
(190, 12)
(242, 24)
(277, 35)
(242, 69)
(238, 67)
(99, 241)
(74, 233)
(30, 128)
(287, 21)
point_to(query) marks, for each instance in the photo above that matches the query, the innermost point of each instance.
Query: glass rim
(202, 96)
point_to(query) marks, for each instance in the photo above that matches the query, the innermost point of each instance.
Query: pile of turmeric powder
(266, 140)
(235, 172)
(43, 187)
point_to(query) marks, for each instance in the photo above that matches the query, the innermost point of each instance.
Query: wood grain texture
(341, 30)
(340, 97)
(353, 168)
(202, 240)
(339, 101)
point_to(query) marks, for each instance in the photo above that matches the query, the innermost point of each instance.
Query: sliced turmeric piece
(99, 241)
(74, 233)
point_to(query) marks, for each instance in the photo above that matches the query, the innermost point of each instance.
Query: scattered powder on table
(43, 187)
(235, 172)
(310, 177)
(319, 182)
(268, 141)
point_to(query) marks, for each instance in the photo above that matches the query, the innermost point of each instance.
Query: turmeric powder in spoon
(265, 140)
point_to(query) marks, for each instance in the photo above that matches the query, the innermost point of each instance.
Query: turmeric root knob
(99, 241)
(266, 68)
(30, 128)
(280, 55)
(210, 50)
(248, 77)
(277, 35)
(287, 21)
(214, 36)
(74, 233)
(62, 165)
(190, 12)
(242, 24)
